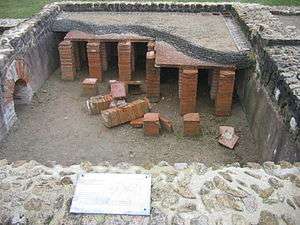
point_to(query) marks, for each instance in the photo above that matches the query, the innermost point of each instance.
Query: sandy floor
(57, 127)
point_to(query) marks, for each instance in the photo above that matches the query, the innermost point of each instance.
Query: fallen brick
(119, 115)
(118, 89)
(191, 124)
(166, 123)
(227, 137)
(89, 87)
(151, 124)
(98, 103)
(137, 123)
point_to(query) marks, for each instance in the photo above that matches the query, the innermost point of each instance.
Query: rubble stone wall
(183, 194)
(271, 92)
(33, 42)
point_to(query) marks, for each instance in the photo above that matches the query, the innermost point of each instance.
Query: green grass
(26, 8)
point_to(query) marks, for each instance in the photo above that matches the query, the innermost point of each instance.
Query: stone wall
(270, 93)
(33, 42)
(183, 194)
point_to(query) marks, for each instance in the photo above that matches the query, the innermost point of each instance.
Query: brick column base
(225, 87)
(95, 60)
(188, 82)
(152, 78)
(67, 60)
(125, 61)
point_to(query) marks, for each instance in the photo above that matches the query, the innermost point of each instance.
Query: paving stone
(268, 218)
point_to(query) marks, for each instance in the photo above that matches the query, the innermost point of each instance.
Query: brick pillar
(125, 61)
(214, 83)
(95, 60)
(151, 46)
(132, 58)
(188, 83)
(225, 87)
(104, 56)
(67, 60)
(152, 78)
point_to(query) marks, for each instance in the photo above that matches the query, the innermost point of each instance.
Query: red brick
(137, 123)
(89, 87)
(118, 89)
(188, 82)
(95, 60)
(98, 103)
(152, 78)
(67, 60)
(151, 46)
(151, 124)
(118, 115)
(166, 123)
(224, 94)
(191, 124)
(125, 60)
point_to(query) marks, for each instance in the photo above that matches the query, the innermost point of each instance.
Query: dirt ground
(57, 127)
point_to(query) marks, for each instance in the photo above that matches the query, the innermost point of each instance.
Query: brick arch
(18, 70)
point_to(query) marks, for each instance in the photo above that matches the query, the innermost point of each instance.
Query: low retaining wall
(270, 94)
(182, 194)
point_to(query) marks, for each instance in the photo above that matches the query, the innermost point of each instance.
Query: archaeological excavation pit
(213, 67)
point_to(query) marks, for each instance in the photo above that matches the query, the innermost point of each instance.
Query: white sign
(108, 193)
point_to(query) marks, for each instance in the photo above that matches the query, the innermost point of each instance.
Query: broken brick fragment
(151, 124)
(90, 87)
(137, 123)
(227, 136)
(191, 124)
(118, 90)
(166, 123)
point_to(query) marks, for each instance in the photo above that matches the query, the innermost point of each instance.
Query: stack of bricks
(115, 116)
(104, 56)
(132, 58)
(67, 60)
(95, 60)
(151, 46)
(90, 87)
(152, 78)
(125, 61)
(151, 124)
(98, 103)
(224, 94)
(191, 124)
(188, 82)
(214, 83)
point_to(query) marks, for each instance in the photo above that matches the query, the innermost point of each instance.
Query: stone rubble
(183, 194)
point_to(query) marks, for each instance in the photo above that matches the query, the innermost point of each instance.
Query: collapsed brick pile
(118, 115)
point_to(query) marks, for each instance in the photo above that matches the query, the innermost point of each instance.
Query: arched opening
(22, 93)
